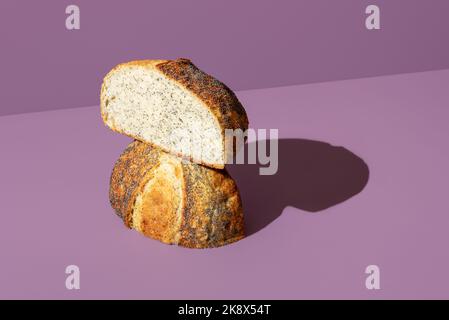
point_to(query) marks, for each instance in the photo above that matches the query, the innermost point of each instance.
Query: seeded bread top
(212, 213)
(220, 99)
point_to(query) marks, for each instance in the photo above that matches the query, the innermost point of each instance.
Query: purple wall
(246, 44)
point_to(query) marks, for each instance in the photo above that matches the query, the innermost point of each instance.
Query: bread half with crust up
(175, 201)
(173, 105)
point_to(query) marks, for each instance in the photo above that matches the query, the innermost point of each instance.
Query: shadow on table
(311, 176)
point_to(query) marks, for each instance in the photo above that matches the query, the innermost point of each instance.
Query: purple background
(55, 166)
(247, 44)
(55, 169)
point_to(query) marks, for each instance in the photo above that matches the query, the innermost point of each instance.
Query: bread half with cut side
(173, 105)
(175, 201)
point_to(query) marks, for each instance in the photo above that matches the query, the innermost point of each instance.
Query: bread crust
(216, 96)
(211, 213)
(130, 173)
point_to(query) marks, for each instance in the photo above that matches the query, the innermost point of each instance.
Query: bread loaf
(173, 105)
(175, 201)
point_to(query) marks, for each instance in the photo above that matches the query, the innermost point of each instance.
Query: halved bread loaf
(173, 105)
(175, 201)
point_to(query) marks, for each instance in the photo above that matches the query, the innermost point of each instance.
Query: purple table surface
(55, 169)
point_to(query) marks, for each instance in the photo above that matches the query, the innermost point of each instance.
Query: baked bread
(173, 105)
(175, 201)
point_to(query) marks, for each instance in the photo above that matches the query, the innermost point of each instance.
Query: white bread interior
(140, 101)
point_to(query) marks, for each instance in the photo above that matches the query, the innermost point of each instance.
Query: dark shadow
(311, 176)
